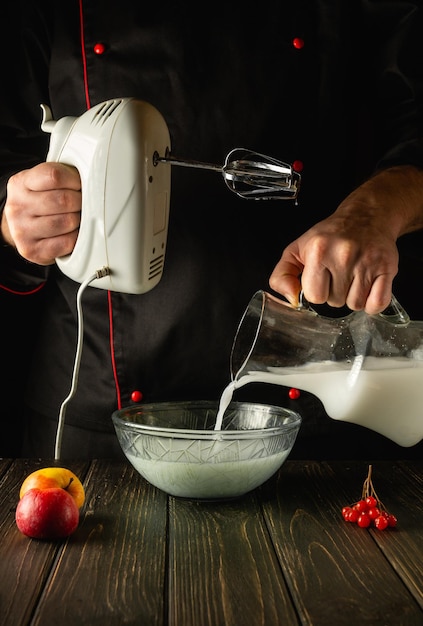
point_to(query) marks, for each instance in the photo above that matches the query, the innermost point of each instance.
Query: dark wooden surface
(281, 555)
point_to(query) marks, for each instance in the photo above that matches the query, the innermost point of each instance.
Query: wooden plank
(4, 465)
(222, 566)
(28, 561)
(335, 570)
(112, 570)
(400, 487)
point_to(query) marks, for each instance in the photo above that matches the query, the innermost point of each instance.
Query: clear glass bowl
(175, 447)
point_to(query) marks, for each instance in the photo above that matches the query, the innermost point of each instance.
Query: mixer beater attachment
(249, 174)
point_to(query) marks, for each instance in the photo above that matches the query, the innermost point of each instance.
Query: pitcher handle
(303, 303)
(395, 313)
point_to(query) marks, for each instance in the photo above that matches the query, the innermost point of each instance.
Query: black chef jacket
(331, 86)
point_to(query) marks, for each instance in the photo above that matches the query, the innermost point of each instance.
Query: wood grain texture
(335, 570)
(400, 487)
(222, 567)
(29, 562)
(281, 555)
(115, 561)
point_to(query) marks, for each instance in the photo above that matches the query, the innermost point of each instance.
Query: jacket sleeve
(24, 72)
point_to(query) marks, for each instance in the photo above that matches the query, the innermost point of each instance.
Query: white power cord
(104, 271)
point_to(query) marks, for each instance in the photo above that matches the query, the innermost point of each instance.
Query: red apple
(55, 477)
(50, 513)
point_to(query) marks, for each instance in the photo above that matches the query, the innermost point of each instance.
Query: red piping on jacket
(84, 56)
(23, 293)
(109, 295)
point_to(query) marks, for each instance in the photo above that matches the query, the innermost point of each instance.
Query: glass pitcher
(366, 369)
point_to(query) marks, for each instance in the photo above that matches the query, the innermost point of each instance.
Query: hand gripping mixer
(116, 147)
(121, 148)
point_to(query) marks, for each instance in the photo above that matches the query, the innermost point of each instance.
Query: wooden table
(281, 555)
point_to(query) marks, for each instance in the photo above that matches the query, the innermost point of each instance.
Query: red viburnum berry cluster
(369, 510)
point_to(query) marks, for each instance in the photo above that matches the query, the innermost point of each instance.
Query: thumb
(285, 279)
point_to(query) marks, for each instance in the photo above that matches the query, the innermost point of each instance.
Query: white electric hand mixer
(125, 183)
(116, 147)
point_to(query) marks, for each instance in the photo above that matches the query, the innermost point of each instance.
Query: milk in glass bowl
(176, 447)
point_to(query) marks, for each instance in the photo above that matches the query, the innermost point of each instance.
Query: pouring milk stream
(365, 369)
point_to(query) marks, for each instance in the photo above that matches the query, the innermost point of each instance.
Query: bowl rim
(210, 434)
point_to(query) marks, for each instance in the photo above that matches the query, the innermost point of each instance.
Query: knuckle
(54, 173)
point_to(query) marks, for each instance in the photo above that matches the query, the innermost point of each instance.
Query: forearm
(393, 197)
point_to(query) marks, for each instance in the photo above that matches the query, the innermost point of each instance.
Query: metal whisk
(249, 174)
